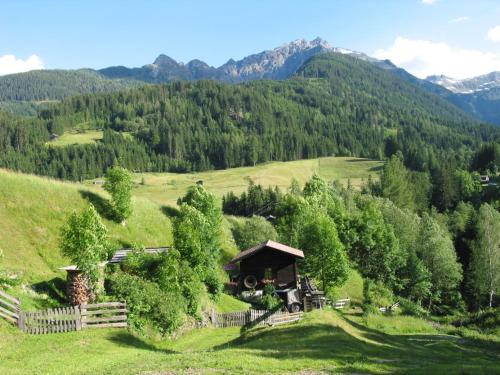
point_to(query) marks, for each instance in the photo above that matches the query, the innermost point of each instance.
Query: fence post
(78, 318)
(21, 320)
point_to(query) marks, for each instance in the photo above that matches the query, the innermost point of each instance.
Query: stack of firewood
(78, 289)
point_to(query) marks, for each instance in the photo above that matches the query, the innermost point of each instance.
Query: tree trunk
(491, 297)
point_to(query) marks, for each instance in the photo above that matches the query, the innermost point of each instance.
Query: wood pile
(78, 289)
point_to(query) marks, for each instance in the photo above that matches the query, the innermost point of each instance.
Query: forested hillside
(41, 85)
(336, 105)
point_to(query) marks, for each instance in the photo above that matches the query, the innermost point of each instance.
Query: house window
(268, 273)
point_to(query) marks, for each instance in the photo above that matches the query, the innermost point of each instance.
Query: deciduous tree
(119, 185)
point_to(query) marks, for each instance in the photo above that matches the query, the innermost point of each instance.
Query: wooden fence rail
(65, 319)
(9, 307)
(104, 315)
(253, 317)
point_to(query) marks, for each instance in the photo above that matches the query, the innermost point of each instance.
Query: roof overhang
(268, 245)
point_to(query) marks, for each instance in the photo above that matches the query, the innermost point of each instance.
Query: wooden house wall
(282, 266)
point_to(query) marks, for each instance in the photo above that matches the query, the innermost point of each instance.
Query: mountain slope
(479, 96)
(391, 87)
(466, 86)
(279, 63)
(336, 105)
(32, 210)
(41, 85)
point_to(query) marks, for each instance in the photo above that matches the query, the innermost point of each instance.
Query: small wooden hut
(268, 262)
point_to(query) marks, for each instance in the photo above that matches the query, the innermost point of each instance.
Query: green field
(323, 342)
(165, 188)
(77, 137)
(32, 209)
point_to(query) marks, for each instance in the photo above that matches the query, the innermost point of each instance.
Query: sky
(458, 38)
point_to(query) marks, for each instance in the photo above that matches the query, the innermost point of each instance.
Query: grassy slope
(324, 342)
(165, 188)
(32, 209)
(71, 138)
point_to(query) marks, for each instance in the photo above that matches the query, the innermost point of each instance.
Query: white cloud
(429, 2)
(9, 64)
(423, 58)
(459, 19)
(494, 34)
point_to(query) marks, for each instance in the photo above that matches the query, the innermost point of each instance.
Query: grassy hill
(165, 188)
(323, 342)
(32, 209)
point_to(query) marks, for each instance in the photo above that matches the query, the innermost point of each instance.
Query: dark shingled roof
(271, 245)
(122, 254)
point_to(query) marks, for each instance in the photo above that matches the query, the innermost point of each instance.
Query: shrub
(142, 264)
(147, 303)
(487, 321)
(254, 231)
(376, 295)
(270, 300)
(411, 308)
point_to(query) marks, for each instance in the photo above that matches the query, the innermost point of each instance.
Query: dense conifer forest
(336, 105)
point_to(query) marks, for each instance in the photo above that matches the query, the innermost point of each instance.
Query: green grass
(323, 342)
(227, 303)
(77, 137)
(32, 210)
(397, 324)
(166, 188)
(352, 289)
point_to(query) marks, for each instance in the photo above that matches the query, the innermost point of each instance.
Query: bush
(411, 308)
(140, 263)
(253, 232)
(376, 295)
(487, 321)
(270, 300)
(214, 284)
(147, 303)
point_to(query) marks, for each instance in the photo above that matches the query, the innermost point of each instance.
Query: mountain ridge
(478, 96)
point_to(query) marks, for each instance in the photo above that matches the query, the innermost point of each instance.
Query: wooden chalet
(273, 262)
(268, 262)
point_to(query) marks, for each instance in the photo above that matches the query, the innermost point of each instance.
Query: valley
(240, 205)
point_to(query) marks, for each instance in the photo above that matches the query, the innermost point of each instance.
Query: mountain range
(479, 96)
(279, 63)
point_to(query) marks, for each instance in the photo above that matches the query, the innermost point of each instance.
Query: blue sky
(424, 36)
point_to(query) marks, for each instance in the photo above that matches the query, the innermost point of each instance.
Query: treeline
(441, 262)
(40, 85)
(353, 109)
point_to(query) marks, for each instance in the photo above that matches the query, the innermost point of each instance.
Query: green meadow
(165, 188)
(324, 342)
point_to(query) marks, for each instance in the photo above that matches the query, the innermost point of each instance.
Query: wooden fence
(341, 303)
(253, 317)
(9, 307)
(65, 319)
(104, 315)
